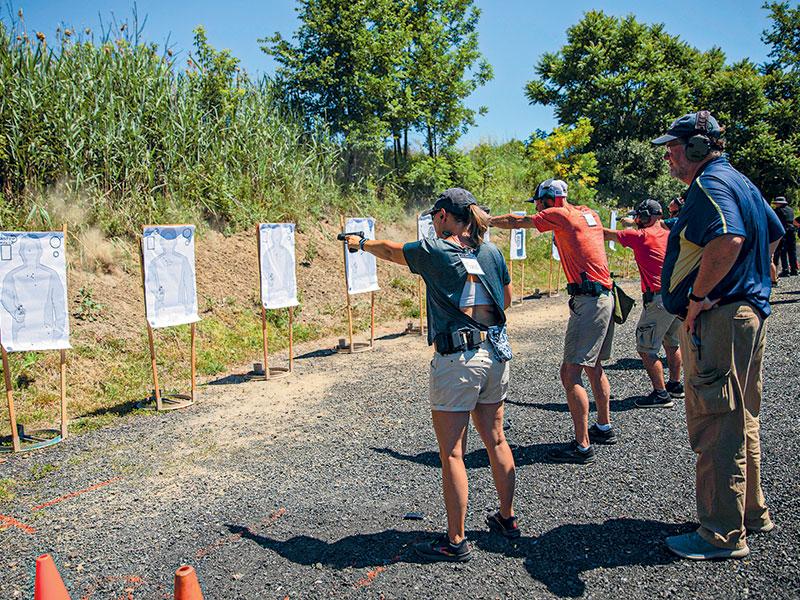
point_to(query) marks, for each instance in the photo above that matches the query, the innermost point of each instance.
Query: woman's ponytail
(478, 224)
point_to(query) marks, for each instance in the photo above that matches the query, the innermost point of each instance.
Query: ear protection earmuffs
(699, 145)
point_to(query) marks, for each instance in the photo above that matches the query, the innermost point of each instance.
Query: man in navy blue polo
(716, 277)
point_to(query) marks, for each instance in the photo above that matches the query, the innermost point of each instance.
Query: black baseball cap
(652, 207)
(453, 200)
(686, 126)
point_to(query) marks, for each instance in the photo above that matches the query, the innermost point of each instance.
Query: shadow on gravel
(625, 364)
(792, 301)
(230, 379)
(392, 336)
(478, 459)
(356, 551)
(616, 405)
(118, 410)
(317, 354)
(556, 558)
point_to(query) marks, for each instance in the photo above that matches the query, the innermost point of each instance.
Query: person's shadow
(556, 558)
(477, 459)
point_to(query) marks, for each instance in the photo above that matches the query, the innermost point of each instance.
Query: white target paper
(554, 250)
(425, 227)
(33, 297)
(169, 275)
(278, 276)
(517, 247)
(361, 267)
(611, 244)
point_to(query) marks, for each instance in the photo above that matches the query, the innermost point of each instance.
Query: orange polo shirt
(579, 238)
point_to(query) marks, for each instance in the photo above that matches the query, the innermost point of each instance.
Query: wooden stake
(346, 289)
(63, 394)
(264, 340)
(64, 362)
(153, 365)
(372, 321)
(550, 275)
(522, 287)
(12, 414)
(194, 362)
(291, 338)
(558, 280)
(419, 292)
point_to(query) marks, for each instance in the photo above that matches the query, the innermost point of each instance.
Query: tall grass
(146, 140)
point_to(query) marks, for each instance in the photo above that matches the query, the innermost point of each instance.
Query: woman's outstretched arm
(385, 249)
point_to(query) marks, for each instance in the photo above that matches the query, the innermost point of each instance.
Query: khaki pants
(723, 401)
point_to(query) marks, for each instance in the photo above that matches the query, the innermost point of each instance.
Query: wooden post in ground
(12, 414)
(346, 289)
(264, 340)
(150, 341)
(194, 362)
(63, 363)
(419, 292)
(291, 339)
(372, 320)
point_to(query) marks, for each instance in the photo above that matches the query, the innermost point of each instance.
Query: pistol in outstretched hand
(342, 237)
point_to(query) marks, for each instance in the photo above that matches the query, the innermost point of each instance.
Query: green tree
(376, 69)
(560, 155)
(444, 67)
(775, 148)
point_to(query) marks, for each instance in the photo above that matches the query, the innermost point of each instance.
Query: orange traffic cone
(186, 585)
(48, 584)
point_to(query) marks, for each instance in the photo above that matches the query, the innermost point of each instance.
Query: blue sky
(513, 35)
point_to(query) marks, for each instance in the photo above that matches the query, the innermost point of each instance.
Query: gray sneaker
(656, 399)
(598, 436)
(693, 547)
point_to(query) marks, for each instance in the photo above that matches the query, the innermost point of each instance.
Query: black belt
(460, 340)
(587, 288)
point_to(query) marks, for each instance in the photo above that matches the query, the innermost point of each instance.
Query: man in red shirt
(590, 330)
(656, 326)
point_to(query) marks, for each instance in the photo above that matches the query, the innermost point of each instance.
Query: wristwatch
(361, 243)
(694, 298)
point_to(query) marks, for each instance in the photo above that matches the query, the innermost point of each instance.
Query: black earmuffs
(699, 145)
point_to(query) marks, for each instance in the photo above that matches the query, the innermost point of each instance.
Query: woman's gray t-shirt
(439, 264)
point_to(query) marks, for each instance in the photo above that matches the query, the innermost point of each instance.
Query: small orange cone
(186, 585)
(48, 584)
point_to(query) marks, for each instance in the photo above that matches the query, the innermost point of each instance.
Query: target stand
(158, 401)
(20, 440)
(354, 347)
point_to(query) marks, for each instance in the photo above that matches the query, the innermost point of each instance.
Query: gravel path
(297, 488)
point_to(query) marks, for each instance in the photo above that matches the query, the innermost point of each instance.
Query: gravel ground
(297, 488)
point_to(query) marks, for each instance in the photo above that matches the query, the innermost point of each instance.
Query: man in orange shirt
(656, 326)
(590, 330)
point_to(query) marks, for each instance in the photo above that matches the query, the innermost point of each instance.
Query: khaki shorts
(655, 327)
(590, 330)
(460, 381)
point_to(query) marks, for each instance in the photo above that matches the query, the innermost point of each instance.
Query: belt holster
(648, 296)
(460, 340)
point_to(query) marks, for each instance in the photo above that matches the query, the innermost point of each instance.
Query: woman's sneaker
(442, 549)
(505, 527)
(675, 389)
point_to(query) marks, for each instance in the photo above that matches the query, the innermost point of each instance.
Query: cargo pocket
(710, 393)
(645, 335)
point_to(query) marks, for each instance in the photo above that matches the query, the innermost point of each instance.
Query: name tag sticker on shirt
(590, 219)
(472, 265)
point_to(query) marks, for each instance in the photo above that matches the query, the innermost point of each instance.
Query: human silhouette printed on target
(170, 277)
(278, 264)
(38, 315)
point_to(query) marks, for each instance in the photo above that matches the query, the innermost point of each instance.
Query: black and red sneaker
(442, 549)
(505, 527)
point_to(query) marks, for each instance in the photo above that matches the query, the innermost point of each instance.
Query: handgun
(342, 238)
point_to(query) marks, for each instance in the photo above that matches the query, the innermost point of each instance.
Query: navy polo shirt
(439, 264)
(721, 201)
